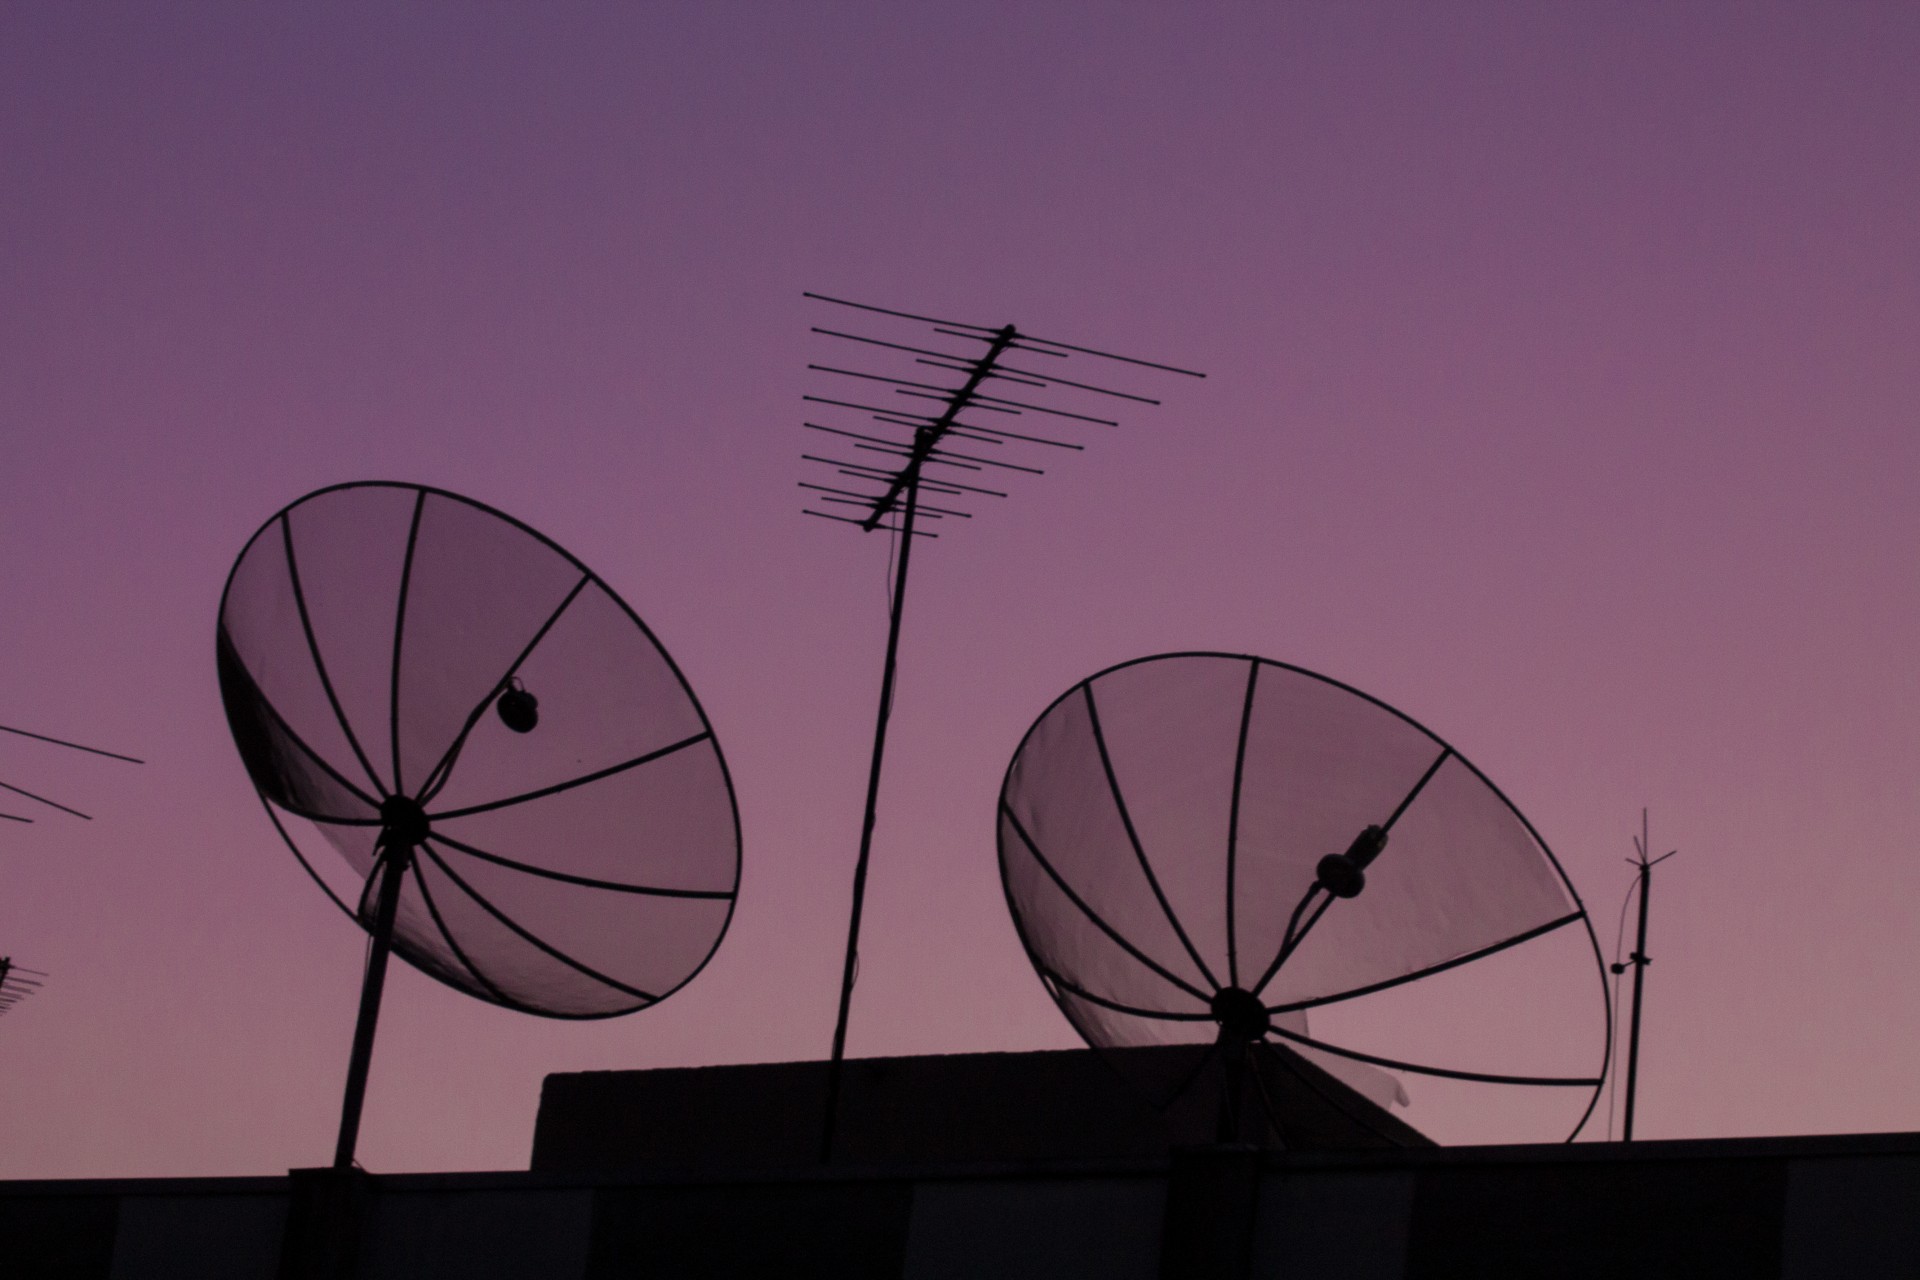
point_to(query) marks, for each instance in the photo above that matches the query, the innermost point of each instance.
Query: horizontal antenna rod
(1028, 379)
(52, 804)
(904, 315)
(862, 472)
(886, 528)
(61, 742)
(978, 329)
(1017, 346)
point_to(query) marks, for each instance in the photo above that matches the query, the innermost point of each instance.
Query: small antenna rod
(73, 746)
(1639, 960)
(52, 804)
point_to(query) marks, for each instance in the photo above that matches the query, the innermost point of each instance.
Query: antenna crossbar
(927, 438)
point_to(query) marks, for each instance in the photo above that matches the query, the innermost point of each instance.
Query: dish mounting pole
(902, 496)
(1639, 960)
(395, 856)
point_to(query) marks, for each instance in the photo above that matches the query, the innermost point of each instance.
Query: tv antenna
(53, 804)
(1207, 848)
(528, 801)
(17, 983)
(887, 492)
(1643, 885)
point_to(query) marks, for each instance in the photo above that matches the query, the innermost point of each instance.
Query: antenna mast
(897, 508)
(1639, 960)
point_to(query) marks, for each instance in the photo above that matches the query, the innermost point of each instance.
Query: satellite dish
(1233, 853)
(525, 799)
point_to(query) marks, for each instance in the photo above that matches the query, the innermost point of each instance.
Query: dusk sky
(1562, 391)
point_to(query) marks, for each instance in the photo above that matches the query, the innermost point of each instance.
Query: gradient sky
(1562, 392)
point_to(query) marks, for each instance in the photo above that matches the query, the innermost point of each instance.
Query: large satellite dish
(479, 752)
(1233, 853)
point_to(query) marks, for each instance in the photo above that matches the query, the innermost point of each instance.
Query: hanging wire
(893, 549)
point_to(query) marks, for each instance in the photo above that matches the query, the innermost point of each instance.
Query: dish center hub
(1240, 1014)
(403, 822)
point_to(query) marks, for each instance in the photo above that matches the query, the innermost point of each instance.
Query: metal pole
(394, 867)
(866, 826)
(1640, 962)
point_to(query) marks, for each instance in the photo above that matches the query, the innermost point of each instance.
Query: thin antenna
(61, 742)
(1639, 960)
(892, 500)
(58, 742)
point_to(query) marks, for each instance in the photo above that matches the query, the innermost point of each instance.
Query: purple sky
(1562, 392)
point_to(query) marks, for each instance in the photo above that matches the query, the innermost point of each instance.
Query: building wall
(1794, 1208)
(1061, 1104)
